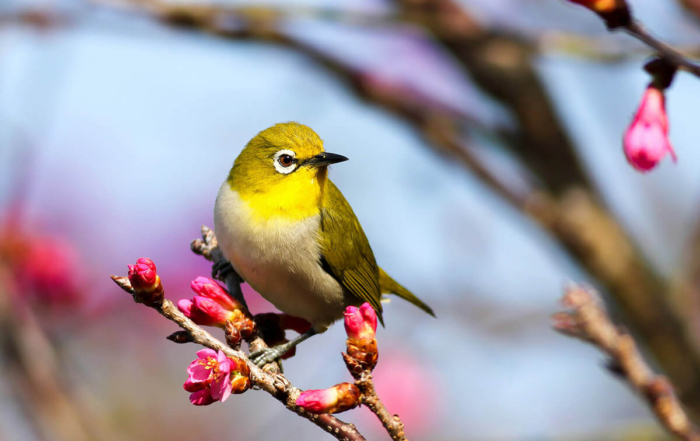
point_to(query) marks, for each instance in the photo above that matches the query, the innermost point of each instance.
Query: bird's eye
(285, 160)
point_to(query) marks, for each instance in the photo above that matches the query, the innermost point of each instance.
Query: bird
(289, 232)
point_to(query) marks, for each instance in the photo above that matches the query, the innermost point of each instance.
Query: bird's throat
(292, 198)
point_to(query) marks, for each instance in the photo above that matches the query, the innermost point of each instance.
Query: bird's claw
(264, 356)
(221, 269)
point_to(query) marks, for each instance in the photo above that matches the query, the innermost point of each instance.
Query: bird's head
(284, 167)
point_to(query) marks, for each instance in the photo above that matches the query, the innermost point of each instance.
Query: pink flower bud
(145, 283)
(206, 287)
(336, 399)
(207, 312)
(142, 276)
(360, 323)
(646, 140)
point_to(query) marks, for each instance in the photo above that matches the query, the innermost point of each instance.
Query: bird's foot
(221, 269)
(262, 357)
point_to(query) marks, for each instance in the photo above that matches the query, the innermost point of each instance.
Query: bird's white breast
(279, 258)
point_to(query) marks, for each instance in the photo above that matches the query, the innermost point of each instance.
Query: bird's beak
(325, 158)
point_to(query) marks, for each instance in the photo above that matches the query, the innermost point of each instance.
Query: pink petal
(198, 373)
(208, 313)
(201, 398)
(206, 353)
(218, 386)
(369, 316)
(194, 386)
(185, 306)
(227, 391)
(210, 289)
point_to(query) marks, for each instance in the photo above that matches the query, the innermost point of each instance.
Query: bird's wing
(345, 251)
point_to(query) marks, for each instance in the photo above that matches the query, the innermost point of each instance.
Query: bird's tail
(391, 286)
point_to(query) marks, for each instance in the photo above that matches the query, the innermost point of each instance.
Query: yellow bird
(288, 231)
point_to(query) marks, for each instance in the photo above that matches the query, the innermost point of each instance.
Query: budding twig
(271, 382)
(588, 321)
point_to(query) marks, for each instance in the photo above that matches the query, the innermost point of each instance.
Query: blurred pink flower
(44, 268)
(408, 387)
(336, 399)
(213, 377)
(360, 323)
(646, 140)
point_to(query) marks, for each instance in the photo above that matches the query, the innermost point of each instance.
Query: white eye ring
(282, 168)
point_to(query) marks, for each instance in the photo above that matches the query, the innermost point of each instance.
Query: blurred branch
(502, 65)
(598, 48)
(34, 372)
(671, 55)
(571, 210)
(589, 322)
(271, 381)
(693, 6)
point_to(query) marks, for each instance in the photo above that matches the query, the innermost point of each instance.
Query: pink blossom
(409, 386)
(50, 269)
(213, 377)
(336, 399)
(646, 140)
(142, 276)
(206, 287)
(360, 323)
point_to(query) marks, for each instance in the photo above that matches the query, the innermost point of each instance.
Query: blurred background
(486, 167)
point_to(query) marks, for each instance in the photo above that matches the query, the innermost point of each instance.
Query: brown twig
(392, 423)
(635, 29)
(271, 382)
(588, 321)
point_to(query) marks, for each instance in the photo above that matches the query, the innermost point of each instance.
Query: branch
(635, 29)
(589, 322)
(392, 423)
(271, 382)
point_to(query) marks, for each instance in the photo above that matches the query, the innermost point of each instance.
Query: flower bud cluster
(213, 306)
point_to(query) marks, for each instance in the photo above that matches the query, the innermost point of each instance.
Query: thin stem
(638, 31)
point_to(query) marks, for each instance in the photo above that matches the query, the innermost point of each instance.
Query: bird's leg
(268, 355)
(221, 269)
